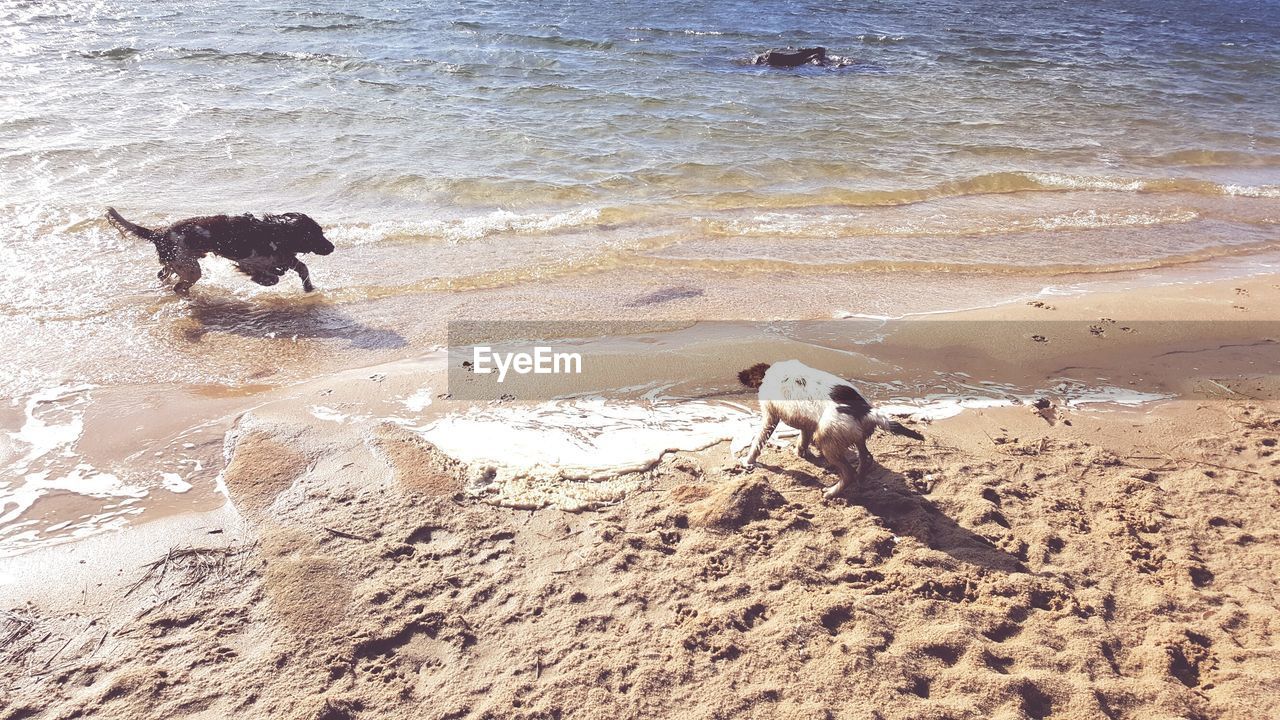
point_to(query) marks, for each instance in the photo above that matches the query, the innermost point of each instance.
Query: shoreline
(894, 361)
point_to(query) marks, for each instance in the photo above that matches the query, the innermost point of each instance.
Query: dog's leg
(864, 458)
(305, 274)
(835, 457)
(188, 272)
(802, 449)
(770, 424)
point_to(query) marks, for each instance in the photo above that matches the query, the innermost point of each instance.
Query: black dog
(264, 249)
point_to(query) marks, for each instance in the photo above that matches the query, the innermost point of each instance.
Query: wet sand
(1085, 560)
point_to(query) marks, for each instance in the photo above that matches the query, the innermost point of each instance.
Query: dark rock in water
(793, 57)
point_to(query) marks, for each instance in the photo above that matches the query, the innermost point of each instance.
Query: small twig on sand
(347, 535)
(1175, 460)
(1224, 467)
(101, 640)
(1211, 381)
(59, 652)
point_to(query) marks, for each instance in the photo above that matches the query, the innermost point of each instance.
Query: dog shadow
(310, 318)
(886, 494)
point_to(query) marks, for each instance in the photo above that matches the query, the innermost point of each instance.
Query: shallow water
(526, 160)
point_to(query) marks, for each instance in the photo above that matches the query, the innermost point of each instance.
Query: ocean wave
(880, 39)
(1257, 191)
(1221, 158)
(838, 225)
(115, 53)
(303, 27)
(631, 260)
(1032, 268)
(1061, 181)
(554, 41)
(462, 229)
(342, 62)
(696, 32)
(986, 184)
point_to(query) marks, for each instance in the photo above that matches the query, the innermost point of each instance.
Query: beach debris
(1046, 410)
(1211, 381)
(347, 535)
(13, 627)
(188, 567)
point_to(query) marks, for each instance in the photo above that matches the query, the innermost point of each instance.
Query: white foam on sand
(939, 407)
(83, 479)
(1071, 394)
(48, 461)
(43, 432)
(581, 453)
(174, 483)
(328, 414)
(47, 441)
(587, 452)
(419, 400)
(1075, 395)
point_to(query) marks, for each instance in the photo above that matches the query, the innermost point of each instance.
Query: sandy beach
(1077, 560)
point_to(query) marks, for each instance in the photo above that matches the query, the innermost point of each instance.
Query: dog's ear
(753, 376)
(308, 236)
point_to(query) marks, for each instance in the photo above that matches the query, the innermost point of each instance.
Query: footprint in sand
(1108, 321)
(1241, 291)
(1039, 338)
(1041, 305)
(1097, 330)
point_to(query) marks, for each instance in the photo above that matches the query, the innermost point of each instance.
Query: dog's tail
(887, 423)
(125, 226)
(753, 376)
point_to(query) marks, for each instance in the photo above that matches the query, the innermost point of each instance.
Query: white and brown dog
(826, 409)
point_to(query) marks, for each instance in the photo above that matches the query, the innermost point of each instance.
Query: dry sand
(1117, 564)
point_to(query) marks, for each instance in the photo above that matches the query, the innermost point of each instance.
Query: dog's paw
(834, 491)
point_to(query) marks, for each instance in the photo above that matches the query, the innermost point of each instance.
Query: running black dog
(264, 249)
